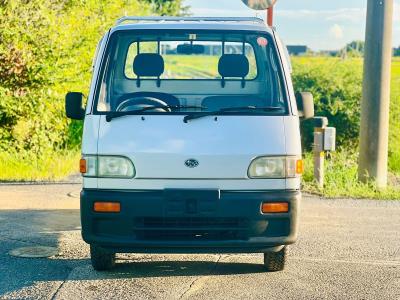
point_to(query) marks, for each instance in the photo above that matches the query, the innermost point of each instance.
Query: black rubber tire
(102, 260)
(275, 261)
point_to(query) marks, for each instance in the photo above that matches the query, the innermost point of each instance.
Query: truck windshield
(179, 72)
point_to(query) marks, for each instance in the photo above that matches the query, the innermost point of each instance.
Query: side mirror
(305, 105)
(73, 106)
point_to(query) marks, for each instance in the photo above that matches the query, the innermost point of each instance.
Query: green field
(204, 67)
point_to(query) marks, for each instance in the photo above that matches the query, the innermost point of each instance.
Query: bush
(168, 7)
(46, 50)
(394, 137)
(31, 121)
(336, 86)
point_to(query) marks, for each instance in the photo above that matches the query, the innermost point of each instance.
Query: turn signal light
(82, 166)
(299, 167)
(277, 207)
(111, 207)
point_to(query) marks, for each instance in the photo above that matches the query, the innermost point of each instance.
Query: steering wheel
(138, 103)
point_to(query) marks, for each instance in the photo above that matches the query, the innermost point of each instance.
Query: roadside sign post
(270, 16)
(319, 157)
(324, 141)
(374, 132)
(259, 4)
(320, 123)
(262, 5)
(324, 137)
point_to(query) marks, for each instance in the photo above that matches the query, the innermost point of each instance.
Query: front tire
(102, 260)
(275, 261)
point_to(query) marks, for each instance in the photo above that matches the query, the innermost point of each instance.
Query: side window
(286, 52)
(103, 103)
(276, 79)
(96, 53)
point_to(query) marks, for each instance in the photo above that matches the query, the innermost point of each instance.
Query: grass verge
(341, 179)
(50, 167)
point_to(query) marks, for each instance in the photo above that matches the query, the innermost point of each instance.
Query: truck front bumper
(189, 221)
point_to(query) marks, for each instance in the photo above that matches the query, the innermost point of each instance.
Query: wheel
(102, 259)
(275, 261)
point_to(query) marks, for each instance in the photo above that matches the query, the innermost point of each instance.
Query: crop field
(189, 66)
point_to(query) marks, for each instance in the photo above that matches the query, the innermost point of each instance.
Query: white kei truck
(191, 140)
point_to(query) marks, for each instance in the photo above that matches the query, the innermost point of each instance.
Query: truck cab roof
(192, 23)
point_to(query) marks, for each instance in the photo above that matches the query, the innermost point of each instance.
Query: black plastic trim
(116, 231)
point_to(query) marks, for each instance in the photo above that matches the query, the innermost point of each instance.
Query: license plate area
(190, 202)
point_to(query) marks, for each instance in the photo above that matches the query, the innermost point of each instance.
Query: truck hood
(224, 147)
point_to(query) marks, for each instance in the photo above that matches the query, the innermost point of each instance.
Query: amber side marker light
(82, 166)
(299, 167)
(110, 207)
(277, 207)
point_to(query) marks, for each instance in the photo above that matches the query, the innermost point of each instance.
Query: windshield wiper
(116, 114)
(230, 109)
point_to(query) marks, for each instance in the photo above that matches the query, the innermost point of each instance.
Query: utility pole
(374, 133)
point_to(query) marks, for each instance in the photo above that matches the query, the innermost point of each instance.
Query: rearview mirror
(190, 49)
(259, 4)
(305, 105)
(73, 106)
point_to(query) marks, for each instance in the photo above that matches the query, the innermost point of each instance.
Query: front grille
(190, 228)
(196, 222)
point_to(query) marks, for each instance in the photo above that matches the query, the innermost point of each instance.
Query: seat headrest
(148, 64)
(233, 65)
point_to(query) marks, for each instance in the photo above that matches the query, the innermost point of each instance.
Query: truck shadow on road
(61, 228)
(170, 268)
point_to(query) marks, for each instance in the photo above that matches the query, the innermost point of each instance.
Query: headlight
(276, 167)
(107, 167)
(115, 166)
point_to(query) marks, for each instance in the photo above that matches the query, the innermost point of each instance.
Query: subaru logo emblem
(191, 163)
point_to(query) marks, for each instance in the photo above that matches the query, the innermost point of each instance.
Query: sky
(319, 24)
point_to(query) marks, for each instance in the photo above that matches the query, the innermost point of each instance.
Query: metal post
(270, 16)
(320, 123)
(376, 93)
(319, 157)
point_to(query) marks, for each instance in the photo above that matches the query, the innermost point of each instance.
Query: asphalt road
(348, 249)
